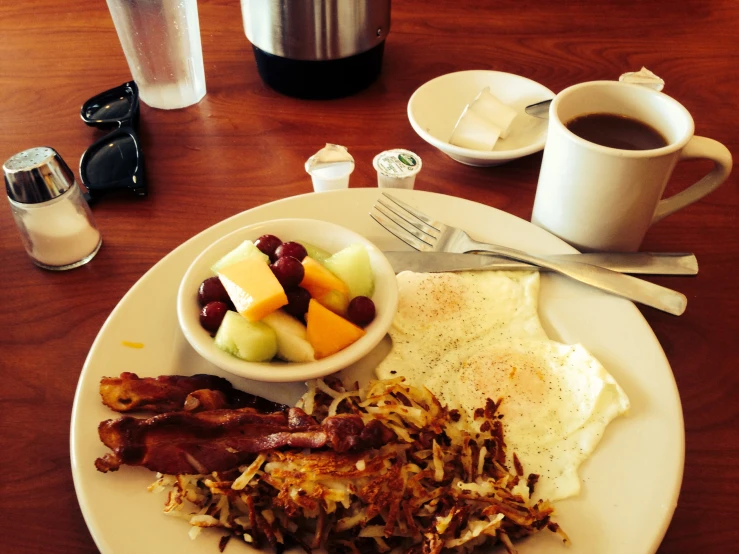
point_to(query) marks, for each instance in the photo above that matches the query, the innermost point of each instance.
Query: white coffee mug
(605, 199)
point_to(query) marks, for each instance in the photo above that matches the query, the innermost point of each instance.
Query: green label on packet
(397, 163)
(397, 168)
(407, 160)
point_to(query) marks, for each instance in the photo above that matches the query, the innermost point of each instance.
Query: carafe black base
(320, 79)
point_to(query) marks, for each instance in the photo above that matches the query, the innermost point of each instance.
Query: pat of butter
(474, 131)
(253, 288)
(488, 106)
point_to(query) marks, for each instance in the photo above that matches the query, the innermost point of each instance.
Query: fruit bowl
(324, 235)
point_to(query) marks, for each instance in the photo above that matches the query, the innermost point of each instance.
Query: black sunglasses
(116, 160)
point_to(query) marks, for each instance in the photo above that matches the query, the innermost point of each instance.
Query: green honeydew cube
(318, 254)
(352, 265)
(245, 250)
(251, 341)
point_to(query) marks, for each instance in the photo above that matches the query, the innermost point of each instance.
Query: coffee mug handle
(705, 148)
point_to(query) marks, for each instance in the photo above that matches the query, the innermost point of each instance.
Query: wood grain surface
(244, 145)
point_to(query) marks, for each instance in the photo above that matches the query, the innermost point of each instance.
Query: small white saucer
(434, 108)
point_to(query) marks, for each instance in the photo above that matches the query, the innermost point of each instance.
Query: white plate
(630, 484)
(435, 106)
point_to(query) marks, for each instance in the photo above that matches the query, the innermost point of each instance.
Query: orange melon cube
(318, 279)
(328, 332)
(253, 288)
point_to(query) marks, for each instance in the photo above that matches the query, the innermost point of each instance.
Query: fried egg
(471, 336)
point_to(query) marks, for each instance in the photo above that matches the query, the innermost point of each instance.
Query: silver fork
(427, 235)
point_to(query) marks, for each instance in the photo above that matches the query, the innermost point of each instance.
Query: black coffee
(616, 131)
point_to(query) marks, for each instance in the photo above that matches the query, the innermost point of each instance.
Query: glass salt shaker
(54, 220)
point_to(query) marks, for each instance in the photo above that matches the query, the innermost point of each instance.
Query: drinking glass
(161, 41)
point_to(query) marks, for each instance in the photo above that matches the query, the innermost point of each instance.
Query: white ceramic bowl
(435, 107)
(330, 237)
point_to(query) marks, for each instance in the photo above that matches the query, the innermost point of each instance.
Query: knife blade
(643, 263)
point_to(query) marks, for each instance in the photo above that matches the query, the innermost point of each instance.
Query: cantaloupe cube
(253, 288)
(318, 277)
(325, 287)
(328, 332)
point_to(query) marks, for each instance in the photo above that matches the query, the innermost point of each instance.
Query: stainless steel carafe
(317, 48)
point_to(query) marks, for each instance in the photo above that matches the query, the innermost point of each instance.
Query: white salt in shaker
(54, 220)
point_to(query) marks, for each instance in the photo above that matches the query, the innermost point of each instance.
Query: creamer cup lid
(330, 155)
(397, 163)
(643, 77)
(330, 167)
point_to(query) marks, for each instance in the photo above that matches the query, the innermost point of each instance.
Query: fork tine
(410, 239)
(414, 212)
(406, 220)
(390, 227)
(408, 227)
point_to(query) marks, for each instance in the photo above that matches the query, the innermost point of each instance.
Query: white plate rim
(648, 538)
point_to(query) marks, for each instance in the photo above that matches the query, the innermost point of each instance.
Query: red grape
(297, 302)
(293, 249)
(212, 315)
(361, 311)
(289, 271)
(211, 290)
(268, 244)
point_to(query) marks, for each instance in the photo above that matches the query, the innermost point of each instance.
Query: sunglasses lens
(111, 109)
(111, 163)
(112, 106)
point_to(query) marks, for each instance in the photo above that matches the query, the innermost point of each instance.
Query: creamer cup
(330, 167)
(396, 168)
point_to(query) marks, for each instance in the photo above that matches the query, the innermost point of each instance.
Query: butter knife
(644, 263)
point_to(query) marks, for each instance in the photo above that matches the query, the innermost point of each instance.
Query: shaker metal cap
(37, 175)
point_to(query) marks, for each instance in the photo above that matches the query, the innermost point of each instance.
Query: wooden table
(245, 145)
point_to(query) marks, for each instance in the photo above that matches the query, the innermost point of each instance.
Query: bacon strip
(168, 393)
(219, 440)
